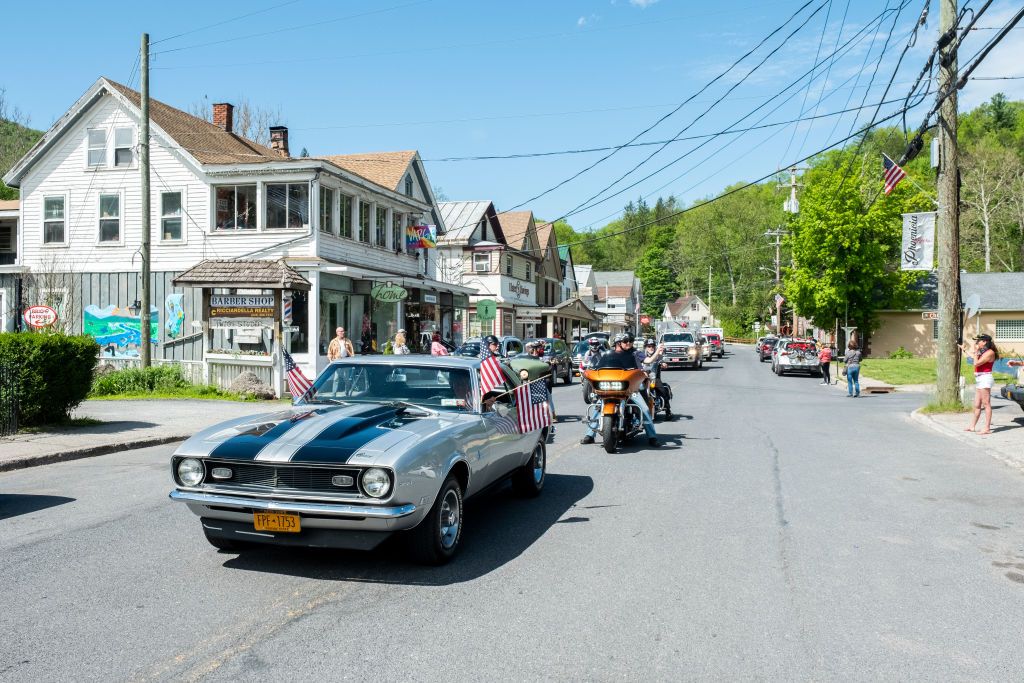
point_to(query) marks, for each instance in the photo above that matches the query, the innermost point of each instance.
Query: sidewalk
(126, 425)
(1005, 443)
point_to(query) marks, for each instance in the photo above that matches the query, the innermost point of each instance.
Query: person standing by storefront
(400, 348)
(340, 346)
(436, 347)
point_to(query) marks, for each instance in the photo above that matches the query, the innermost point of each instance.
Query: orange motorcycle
(619, 418)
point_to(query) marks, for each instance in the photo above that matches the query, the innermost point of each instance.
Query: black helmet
(621, 338)
(650, 342)
(491, 339)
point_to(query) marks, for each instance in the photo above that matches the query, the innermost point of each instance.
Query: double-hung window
(345, 215)
(97, 141)
(236, 207)
(53, 220)
(397, 234)
(110, 218)
(287, 205)
(124, 154)
(364, 221)
(326, 210)
(528, 274)
(170, 216)
(481, 263)
(508, 265)
(381, 235)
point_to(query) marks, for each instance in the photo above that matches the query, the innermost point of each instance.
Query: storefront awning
(407, 281)
(573, 309)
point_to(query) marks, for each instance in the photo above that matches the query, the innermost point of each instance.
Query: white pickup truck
(682, 350)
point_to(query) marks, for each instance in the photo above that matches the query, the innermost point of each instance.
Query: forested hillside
(841, 250)
(15, 139)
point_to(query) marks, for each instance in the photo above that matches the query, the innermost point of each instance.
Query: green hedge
(52, 373)
(140, 381)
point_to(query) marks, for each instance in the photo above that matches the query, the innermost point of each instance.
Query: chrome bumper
(339, 509)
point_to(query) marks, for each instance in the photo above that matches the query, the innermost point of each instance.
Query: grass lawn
(897, 371)
(200, 392)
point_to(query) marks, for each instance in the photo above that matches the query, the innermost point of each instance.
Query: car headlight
(692, 351)
(376, 482)
(190, 471)
(611, 386)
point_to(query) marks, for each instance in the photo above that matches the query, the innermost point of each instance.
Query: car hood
(319, 434)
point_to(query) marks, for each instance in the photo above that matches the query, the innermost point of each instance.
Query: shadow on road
(15, 504)
(499, 528)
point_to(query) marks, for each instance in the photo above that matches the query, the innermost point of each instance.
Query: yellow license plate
(276, 521)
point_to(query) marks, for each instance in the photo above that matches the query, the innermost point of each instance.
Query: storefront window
(334, 313)
(300, 320)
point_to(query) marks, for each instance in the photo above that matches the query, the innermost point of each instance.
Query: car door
(504, 442)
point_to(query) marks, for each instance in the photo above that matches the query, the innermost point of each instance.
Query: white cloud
(642, 4)
(582, 21)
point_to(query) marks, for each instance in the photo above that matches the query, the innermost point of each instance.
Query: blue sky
(453, 78)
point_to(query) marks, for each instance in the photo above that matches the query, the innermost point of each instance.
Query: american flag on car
(532, 401)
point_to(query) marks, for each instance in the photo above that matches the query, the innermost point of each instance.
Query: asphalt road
(784, 532)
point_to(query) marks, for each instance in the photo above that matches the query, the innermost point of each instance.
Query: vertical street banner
(918, 251)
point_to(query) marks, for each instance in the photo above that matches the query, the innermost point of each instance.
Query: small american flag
(298, 384)
(779, 299)
(893, 173)
(532, 401)
(491, 374)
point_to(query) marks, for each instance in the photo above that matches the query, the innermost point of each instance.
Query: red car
(717, 347)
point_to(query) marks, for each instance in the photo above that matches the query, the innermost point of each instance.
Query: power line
(807, 91)
(828, 72)
(226, 21)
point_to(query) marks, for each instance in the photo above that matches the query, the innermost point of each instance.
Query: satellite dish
(972, 305)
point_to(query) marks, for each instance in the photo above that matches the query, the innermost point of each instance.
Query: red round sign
(40, 316)
(645, 320)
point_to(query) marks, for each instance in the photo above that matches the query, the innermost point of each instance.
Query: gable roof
(462, 219)
(582, 273)
(516, 226)
(207, 143)
(623, 278)
(384, 168)
(997, 291)
(681, 304)
(233, 272)
(603, 293)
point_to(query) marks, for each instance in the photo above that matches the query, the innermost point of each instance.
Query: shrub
(140, 380)
(52, 373)
(900, 353)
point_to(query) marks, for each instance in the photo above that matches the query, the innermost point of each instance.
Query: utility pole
(777, 233)
(948, 224)
(711, 318)
(792, 206)
(144, 170)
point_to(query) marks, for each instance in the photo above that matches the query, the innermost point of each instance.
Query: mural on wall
(117, 331)
(174, 305)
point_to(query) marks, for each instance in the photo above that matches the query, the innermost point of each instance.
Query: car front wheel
(437, 538)
(568, 374)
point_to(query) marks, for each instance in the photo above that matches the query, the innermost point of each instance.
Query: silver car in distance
(380, 444)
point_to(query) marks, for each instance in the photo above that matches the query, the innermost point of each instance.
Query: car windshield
(580, 348)
(714, 337)
(468, 349)
(770, 342)
(669, 338)
(432, 387)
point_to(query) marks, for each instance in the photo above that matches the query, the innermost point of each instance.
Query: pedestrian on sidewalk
(340, 346)
(985, 354)
(852, 370)
(436, 347)
(400, 348)
(824, 358)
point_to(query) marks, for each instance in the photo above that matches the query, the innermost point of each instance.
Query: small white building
(687, 310)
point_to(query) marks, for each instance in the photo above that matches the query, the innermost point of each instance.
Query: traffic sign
(645, 320)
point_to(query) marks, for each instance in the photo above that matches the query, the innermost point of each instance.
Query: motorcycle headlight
(376, 482)
(190, 471)
(611, 386)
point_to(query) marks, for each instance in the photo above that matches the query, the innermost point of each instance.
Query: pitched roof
(384, 168)
(516, 226)
(997, 291)
(209, 144)
(225, 272)
(614, 277)
(603, 293)
(9, 204)
(544, 231)
(681, 304)
(582, 273)
(461, 219)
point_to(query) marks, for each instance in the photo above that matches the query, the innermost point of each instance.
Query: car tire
(608, 436)
(568, 374)
(433, 541)
(226, 544)
(528, 480)
(761, 359)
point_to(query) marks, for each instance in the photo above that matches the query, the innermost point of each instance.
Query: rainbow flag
(421, 237)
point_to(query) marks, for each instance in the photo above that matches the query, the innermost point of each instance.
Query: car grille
(270, 476)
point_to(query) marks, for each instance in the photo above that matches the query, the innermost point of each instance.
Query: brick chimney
(279, 140)
(223, 116)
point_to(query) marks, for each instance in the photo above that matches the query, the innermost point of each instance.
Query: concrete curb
(962, 437)
(79, 453)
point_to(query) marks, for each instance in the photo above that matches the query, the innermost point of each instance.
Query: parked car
(1013, 392)
(764, 350)
(580, 350)
(682, 349)
(558, 351)
(717, 345)
(381, 445)
(509, 347)
(705, 347)
(796, 355)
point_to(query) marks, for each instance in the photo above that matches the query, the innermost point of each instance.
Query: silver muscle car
(380, 444)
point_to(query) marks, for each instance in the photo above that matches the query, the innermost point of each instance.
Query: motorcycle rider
(588, 362)
(490, 346)
(625, 358)
(652, 364)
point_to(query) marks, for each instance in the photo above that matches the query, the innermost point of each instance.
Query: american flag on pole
(532, 401)
(893, 173)
(779, 299)
(298, 384)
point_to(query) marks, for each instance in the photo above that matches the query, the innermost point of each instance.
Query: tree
(249, 120)
(988, 174)
(16, 138)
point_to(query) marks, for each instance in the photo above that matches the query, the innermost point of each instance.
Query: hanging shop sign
(430, 298)
(527, 315)
(40, 316)
(918, 241)
(389, 292)
(421, 237)
(486, 309)
(242, 312)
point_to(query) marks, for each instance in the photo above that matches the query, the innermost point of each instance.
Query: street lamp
(135, 308)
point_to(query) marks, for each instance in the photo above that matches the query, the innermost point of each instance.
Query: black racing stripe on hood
(248, 444)
(340, 441)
